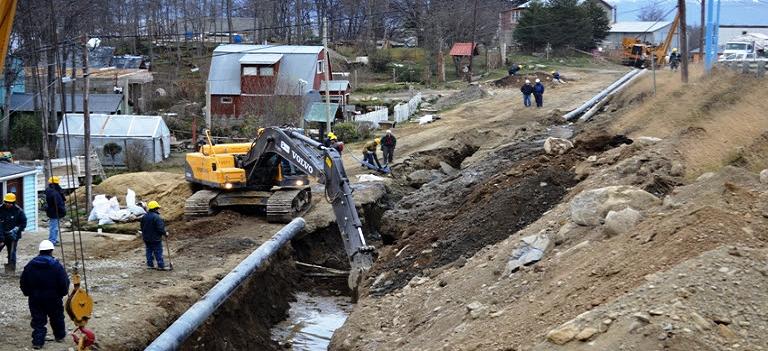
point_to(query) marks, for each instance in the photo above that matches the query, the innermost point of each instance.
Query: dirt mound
(471, 93)
(171, 190)
(517, 81)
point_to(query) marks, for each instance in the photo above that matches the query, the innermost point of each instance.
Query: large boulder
(423, 176)
(557, 146)
(622, 221)
(530, 250)
(590, 206)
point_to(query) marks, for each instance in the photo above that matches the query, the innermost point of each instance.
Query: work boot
(10, 268)
(37, 347)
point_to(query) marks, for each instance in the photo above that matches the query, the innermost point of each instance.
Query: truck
(747, 46)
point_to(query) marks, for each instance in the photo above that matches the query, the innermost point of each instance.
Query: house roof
(335, 85)
(260, 59)
(11, 169)
(297, 63)
(316, 112)
(638, 26)
(99, 103)
(125, 126)
(462, 49)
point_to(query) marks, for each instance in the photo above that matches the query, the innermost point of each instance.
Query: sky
(731, 11)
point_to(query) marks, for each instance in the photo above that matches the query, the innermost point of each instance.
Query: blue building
(19, 83)
(22, 181)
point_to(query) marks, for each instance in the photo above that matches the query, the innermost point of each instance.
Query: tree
(651, 12)
(111, 150)
(561, 24)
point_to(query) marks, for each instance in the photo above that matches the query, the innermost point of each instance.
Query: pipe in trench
(573, 114)
(187, 323)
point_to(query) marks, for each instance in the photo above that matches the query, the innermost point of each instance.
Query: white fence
(379, 114)
(404, 111)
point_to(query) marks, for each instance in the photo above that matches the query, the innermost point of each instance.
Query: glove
(13, 233)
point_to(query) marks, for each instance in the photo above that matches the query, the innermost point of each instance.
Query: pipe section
(591, 112)
(573, 114)
(196, 315)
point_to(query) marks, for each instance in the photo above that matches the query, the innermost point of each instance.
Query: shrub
(111, 150)
(346, 131)
(380, 60)
(136, 157)
(25, 133)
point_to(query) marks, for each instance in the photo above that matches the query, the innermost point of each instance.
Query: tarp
(317, 112)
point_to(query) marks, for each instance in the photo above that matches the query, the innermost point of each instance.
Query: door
(16, 186)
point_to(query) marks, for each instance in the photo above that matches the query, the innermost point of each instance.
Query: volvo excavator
(273, 172)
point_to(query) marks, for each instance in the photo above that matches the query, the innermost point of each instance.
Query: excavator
(639, 54)
(272, 172)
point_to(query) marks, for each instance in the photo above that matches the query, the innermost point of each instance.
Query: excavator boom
(7, 12)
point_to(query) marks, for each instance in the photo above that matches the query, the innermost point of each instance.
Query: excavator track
(286, 204)
(199, 204)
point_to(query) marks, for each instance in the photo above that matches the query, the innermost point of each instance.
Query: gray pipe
(587, 115)
(572, 115)
(196, 315)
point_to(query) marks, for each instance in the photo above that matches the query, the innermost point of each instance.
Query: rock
(530, 250)
(764, 176)
(586, 333)
(562, 335)
(477, 309)
(642, 317)
(619, 222)
(646, 140)
(447, 169)
(423, 176)
(700, 322)
(592, 158)
(706, 176)
(557, 146)
(677, 169)
(590, 206)
(726, 333)
(656, 312)
(564, 232)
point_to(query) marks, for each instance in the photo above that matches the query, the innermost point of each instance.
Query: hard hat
(553, 72)
(674, 49)
(10, 197)
(377, 140)
(538, 80)
(527, 81)
(331, 136)
(45, 245)
(53, 180)
(153, 205)
(389, 131)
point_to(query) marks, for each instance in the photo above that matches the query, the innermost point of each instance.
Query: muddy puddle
(311, 321)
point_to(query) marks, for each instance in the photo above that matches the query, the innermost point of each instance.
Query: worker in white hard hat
(44, 281)
(388, 143)
(538, 93)
(527, 90)
(55, 208)
(13, 222)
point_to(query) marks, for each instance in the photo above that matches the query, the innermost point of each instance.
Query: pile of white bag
(107, 210)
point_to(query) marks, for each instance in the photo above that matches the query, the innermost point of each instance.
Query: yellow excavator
(639, 54)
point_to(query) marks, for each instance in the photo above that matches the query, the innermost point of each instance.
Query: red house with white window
(259, 79)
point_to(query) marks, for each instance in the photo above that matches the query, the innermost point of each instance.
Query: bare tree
(651, 12)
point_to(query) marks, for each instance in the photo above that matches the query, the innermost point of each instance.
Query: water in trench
(311, 321)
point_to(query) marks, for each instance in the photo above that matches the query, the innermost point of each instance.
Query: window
(250, 71)
(266, 71)
(226, 100)
(320, 66)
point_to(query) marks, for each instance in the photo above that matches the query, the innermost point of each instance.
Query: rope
(70, 172)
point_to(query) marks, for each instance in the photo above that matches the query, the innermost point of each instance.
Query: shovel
(168, 248)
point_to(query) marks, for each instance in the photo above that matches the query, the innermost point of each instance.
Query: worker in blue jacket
(152, 231)
(527, 90)
(55, 208)
(44, 281)
(13, 221)
(538, 93)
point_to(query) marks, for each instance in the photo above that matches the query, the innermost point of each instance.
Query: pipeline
(187, 323)
(573, 114)
(588, 115)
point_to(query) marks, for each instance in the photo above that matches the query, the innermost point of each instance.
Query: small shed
(21, 181)
(133, 133)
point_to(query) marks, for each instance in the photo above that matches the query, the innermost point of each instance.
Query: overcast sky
(731, 11)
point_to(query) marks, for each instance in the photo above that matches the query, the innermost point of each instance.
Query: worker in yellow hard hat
(55, 208)
(13, 222)
(153, 231)
(674, 60)
(369, 154)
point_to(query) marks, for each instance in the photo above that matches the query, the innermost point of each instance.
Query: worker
(54, 208)
(538, 93)
(527, 90)
(44, 281)
(369, 152)
(13, 221)
(557, 78)
(152, 231)
(513, 69)
(388, 143)
(329, 138)
(674, 60)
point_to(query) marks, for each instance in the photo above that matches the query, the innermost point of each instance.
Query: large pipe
(196, 315)
(591, 112)
(573, 114)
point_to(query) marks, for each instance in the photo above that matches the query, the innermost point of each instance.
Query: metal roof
(316, 112)
(10, 169)
(299, 63)
(100, 103)
(260, 59)
(335, 85)
(638, 26)
(127, 126)
(462, 49)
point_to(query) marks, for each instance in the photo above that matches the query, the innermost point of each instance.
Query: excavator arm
(325, 164)
(7, 12)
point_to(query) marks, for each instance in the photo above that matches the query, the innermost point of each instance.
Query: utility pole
(326, 68)
(474, 38)
(683, 41)
(87, 128)
(702, 30)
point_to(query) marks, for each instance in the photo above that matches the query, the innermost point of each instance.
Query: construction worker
(152, 231)
(369, 152)
(538, 93)
(527, 90)
(54, 208)
(388, 143)
(557, 78)
(513, 69)
(330, 137)
(13, 221)
(44, 281)
(674, 60)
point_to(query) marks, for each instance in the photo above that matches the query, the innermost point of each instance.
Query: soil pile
(517, 81)
(171, 190)
(471, 93)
